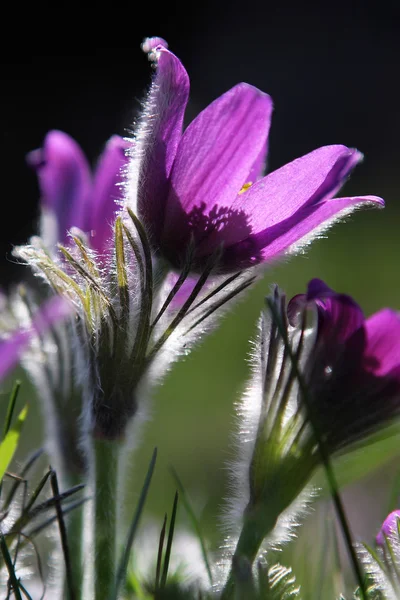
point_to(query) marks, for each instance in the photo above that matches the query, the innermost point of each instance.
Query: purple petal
(52, 311)
(339, 315)
(389, 527)
(152, 43)
(107, 191)
(383, 342)
(286, 206)
(305, 181)
(257, 171)
(218, 151)
(292, 234)
(64, 181)
(160, 134)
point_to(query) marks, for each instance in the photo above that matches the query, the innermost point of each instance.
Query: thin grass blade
(123, 565)
(63, 535)
(195, 523)
(160, 553)
(169, 541)
(10, 408)
(10, 568)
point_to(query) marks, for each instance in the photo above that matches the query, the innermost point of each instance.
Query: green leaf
(9, 445)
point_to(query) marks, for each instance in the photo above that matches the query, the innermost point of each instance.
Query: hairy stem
(105, 516)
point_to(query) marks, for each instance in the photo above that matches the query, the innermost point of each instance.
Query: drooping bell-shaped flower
(205, 185)
(354, 372)
(324, 375)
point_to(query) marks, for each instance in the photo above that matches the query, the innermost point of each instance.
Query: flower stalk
(105, 476)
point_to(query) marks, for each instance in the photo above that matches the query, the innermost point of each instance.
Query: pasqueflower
(324, 375)
(71, 196)
(353, 372)
(205, 186)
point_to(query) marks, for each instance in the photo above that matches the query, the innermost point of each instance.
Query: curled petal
(158, 136)
(64, 180)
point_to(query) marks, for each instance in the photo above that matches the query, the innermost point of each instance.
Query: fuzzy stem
(256, 527)
(105, 516)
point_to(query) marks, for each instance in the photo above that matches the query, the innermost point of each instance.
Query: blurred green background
(332, 81)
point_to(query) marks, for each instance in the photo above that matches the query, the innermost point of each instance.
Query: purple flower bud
(70, 196)
(389, 527)
(354, 371)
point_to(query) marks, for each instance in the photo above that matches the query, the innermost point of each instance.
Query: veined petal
(274, 205)
(218, 152)
(53, 311)
(306, 180)
(383, 342)
(257, 171)
(158, 136)
(292, 234)
(107, 191)
(307, 223)
(64, 181)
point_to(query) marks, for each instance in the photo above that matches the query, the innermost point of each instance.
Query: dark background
(333, 73)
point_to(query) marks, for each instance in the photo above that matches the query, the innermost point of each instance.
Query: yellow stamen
(245, 187)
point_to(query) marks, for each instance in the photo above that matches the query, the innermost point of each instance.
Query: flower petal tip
(152, 46)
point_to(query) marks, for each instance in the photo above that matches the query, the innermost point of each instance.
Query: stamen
(245, 187)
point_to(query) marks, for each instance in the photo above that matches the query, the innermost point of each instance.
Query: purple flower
(52, 311)
(205, 185)
(70, 195)
(389, 527)
(354, 370)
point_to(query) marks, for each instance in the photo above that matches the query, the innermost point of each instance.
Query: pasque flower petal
(158, 136)
(64, 181)
(383, 342)
(339, 315)
(389, 527)
(52, 311)
(287, 208)
(107, 191)
(218, 152)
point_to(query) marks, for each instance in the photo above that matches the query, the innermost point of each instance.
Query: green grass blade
(194, 521)
(10, 442)
(169, 542)
(10, 408)
(123, 565)
(10, 568)
(159, 554)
